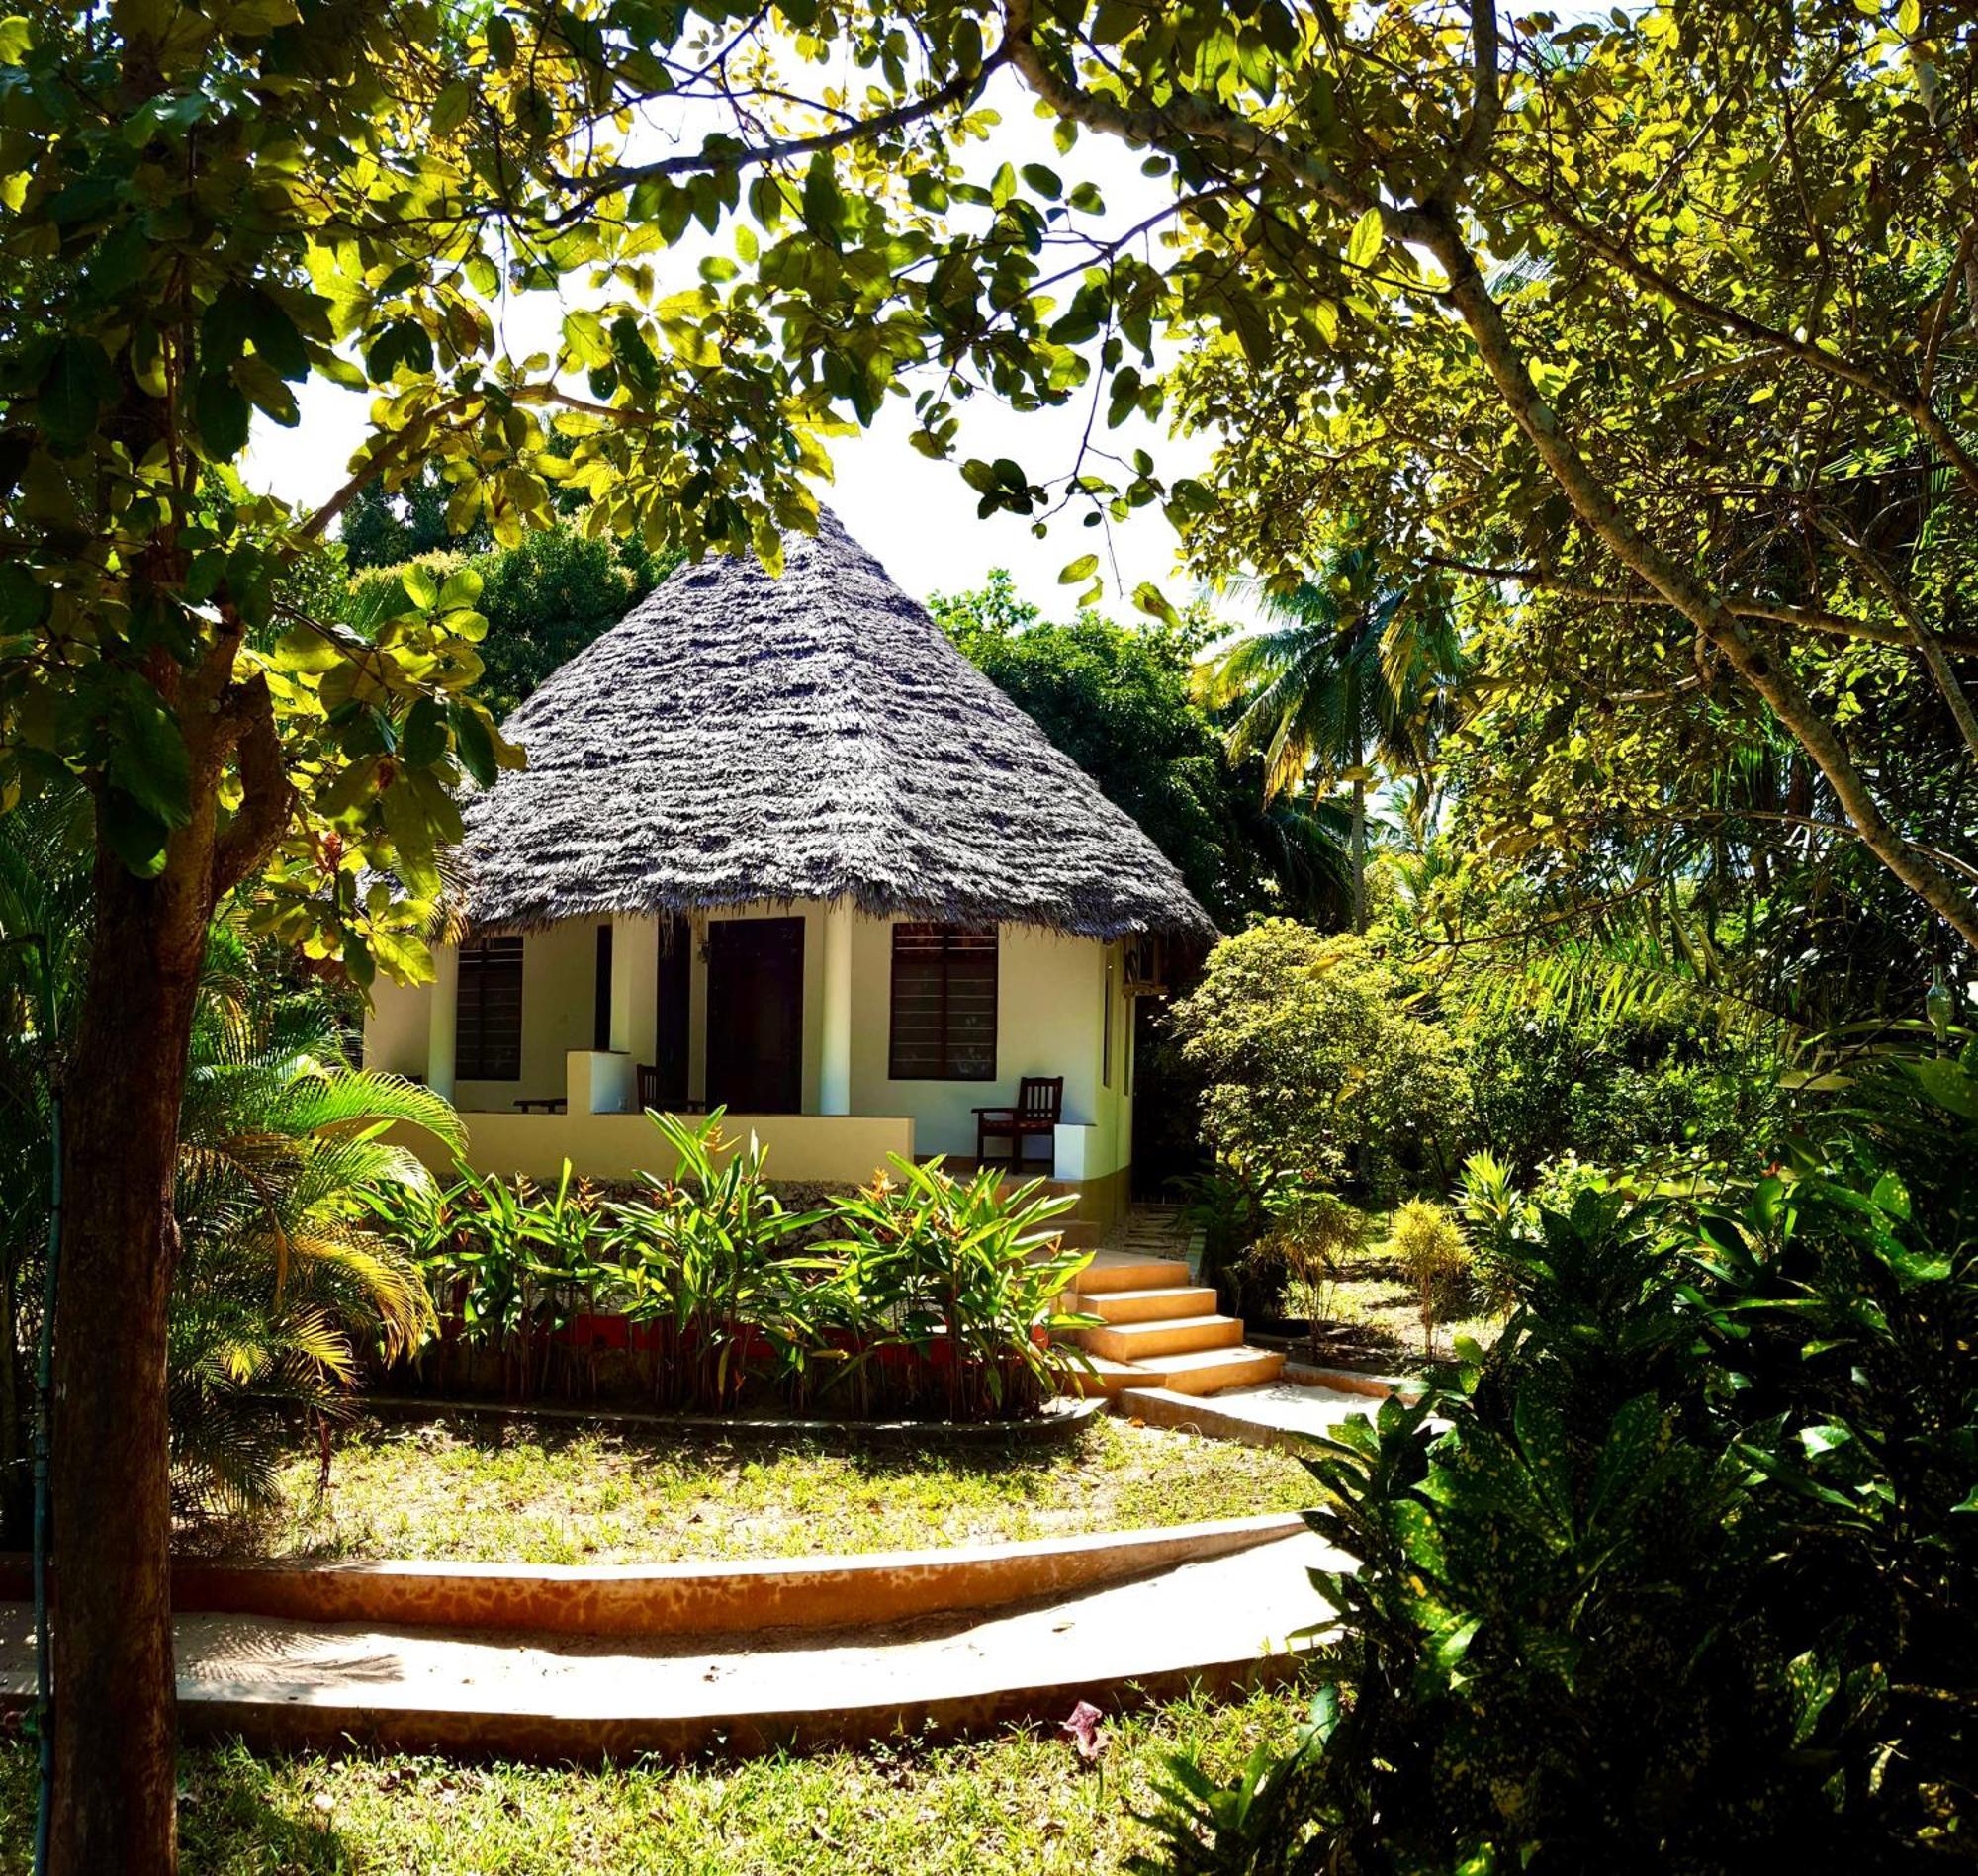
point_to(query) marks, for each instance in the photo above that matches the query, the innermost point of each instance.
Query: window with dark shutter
(487, 1032)
(943, 1003)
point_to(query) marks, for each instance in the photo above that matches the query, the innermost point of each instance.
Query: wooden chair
(1039, 1106)
(649, 1093)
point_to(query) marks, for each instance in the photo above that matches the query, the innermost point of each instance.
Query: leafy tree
(544, 599)
(202, 207)
(1117, 700)
(380, 529)
(1314, 1065)
(1349, 673)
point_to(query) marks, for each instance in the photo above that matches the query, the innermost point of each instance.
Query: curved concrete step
(1146, 1306)
(1180, 1335)
(1207, 1371)
(1217, 1626)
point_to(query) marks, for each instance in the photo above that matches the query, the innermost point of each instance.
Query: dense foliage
(281, 1294)
(544, 599)
(1315, 1065)
(928, 1296)
(1119, 700)
(1678, 1575)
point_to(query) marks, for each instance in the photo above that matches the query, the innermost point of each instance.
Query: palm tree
(1352, 675)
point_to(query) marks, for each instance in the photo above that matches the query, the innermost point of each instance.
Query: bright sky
(919, 517)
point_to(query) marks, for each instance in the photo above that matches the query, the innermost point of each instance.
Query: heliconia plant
(921, 1295)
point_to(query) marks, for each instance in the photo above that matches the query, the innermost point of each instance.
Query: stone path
(1278, 1413)
(1220, 1624)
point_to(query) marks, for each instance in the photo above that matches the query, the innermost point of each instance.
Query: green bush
(1315, 1065)
(924, 1296)
(1678, 1577)
(545, 600)
(1302, 1257)
(1434, 1256)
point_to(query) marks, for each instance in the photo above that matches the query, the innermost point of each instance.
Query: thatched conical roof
(738, 737)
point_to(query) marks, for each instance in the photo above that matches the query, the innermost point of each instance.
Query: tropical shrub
(282, 1292)
(283, 1289)
(1302, 1257)
(921, 1295)
(962, 1278)
(1314, 1064)
(1434, 1256)
(1678, 1575)
(698, 1259)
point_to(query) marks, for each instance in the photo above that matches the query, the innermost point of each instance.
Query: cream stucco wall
(1052, 993)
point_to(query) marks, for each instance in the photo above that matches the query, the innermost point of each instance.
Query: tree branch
(1807, 618)
(267, 798)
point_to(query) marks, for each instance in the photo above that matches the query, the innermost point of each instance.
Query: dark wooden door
(754, 1014)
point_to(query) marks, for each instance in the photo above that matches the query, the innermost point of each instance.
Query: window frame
(948, 953)
(472, 983)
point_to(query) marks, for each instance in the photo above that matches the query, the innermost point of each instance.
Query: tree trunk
(1358, 840)
(116, 1713)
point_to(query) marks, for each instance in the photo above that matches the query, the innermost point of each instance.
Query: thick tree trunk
(115, 1699)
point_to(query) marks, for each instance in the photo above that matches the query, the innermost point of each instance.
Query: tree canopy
(1118, 701)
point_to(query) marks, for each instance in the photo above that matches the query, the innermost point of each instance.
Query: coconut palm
(1351, 674)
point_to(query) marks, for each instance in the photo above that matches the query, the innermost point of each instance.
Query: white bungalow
(780, 848)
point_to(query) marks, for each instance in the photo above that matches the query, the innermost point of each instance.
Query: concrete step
(1109, 1377)
(1079, 1235)
(1161, 1304)
(1225, 1623)
(1113, 1271)
(1209, 1371)
(1183, 1335)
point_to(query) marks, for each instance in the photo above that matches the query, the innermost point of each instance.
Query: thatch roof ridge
(738, 739)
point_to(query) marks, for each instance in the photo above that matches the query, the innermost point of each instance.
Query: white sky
(918, 516)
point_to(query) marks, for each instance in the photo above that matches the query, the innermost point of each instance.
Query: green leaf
(474, 743)
(277, 338)
(78, 383)
(222, 412)
(136, 836)
(1364, 243)
(423, 740)
(1083, 568)
(148, 755)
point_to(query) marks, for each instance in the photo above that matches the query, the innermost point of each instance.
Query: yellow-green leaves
(1363, 245)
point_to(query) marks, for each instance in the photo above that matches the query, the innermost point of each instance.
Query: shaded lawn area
(1373, 1315)
(1019, 1803)
(488, 1489)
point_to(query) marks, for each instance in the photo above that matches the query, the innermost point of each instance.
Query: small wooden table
(542, 1104)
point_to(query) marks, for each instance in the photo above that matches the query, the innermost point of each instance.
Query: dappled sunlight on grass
(485, 1489)
(1019, 1804)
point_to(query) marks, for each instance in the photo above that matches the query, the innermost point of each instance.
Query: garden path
(1220, 1624)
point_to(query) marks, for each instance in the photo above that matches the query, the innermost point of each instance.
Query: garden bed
(481, 1488)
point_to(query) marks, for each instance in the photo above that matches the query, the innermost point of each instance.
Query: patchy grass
(490, 1489)
(1019, 1803)
(1372, 1317)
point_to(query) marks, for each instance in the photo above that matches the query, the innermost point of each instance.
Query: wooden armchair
(1039, 1106)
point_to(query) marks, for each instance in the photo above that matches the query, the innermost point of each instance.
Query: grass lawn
(1020, 1803)
(490, 1489)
